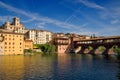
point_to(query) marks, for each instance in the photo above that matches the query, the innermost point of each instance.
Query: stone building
(15, 26)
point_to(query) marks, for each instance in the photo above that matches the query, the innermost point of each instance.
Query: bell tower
(16, 21)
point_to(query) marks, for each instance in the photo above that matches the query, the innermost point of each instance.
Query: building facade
(39, 36)
(12, 43)
(28, 44)
(12, 38)
(1, 44)
(63, 44)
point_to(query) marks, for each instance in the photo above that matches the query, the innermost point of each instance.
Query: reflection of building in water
(64, 64)
(38, 67)
(68, 64)
(12, 68)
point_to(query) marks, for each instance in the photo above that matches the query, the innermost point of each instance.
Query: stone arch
(88, 49)
(93, 49)
(100, 50)
(108, 50)
(114, 48)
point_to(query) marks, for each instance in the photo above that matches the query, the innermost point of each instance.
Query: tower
(16, 21)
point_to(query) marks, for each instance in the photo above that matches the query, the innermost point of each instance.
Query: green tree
(47, 48)
(101, 48)
(116, 49)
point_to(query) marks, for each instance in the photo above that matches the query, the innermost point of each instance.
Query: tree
(47, 48)
(116, 49)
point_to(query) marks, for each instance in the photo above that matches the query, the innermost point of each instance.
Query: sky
(84, 17)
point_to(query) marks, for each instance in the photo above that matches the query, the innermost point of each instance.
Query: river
(60, 67)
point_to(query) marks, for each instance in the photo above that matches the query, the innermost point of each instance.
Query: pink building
(62, 44)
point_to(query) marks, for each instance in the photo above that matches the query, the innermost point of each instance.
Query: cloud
(115, 21)
(40, 25)
(112, 30)
(42, 20)
(5, 18)
(16, 10)
(37, 17)
(90, 4)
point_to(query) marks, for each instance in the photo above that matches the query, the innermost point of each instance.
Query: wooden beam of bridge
(100, 38)
(115, 40)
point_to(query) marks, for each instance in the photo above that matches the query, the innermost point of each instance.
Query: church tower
(16, 21)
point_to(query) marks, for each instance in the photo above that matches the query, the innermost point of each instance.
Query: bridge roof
(100, 38)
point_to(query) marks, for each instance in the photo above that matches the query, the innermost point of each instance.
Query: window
(5, 42)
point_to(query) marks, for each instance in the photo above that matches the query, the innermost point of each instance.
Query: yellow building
(1, 45)
(12, 38)
(28, 44)
(12, 43)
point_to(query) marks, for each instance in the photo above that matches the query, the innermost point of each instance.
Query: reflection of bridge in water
(82, 45)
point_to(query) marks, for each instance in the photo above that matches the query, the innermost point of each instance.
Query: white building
(39, 36)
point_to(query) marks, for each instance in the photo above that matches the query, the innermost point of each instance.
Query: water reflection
(118, 75)
(38, 67)
(11, 67)
(61, 67)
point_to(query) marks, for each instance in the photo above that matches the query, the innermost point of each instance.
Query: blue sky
(85, 17)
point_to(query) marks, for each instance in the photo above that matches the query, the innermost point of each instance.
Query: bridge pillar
(93, 50)
(108, 50)
(82, 49)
